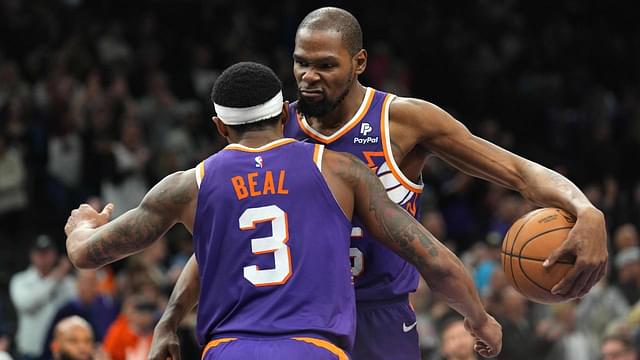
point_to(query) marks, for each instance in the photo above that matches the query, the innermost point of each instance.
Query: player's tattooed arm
(396, 228)
(93, 241)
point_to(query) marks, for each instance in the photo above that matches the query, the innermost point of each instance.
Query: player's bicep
(450, 140)
(162, 207)
(386, 220)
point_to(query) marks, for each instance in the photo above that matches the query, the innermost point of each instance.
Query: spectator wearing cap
(627, 264)
(37, 293)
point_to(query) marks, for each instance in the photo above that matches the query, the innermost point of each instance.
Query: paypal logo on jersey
(365, 129)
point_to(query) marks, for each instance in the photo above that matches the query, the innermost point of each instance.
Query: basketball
(527, 244)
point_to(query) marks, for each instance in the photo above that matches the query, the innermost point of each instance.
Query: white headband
(239, 116)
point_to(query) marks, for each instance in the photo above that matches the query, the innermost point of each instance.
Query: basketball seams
(533, 281)
(537, 259)
(531, 215)
(537, 236)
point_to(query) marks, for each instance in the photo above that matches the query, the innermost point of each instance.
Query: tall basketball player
(393, 136)
(271, 222)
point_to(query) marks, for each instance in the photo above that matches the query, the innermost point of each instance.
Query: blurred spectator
(603, 304)
(520, 338)
(571, 343)
(37, 293)
(97, 309)
(627, 263)
(127, 185)
(487, 263)
(64, 164)
(625, 236)
(5, 344)
(73, 340)
(618, 347)
(13, 196)
(11, 83)
(457, 343)
(129, 337)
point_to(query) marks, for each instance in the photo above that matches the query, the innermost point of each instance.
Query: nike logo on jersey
(406, 328)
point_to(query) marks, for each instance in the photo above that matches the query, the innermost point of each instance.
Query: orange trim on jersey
(325, 345)
(263, 148)
(362, 111)
(369, 155)
(316, 152)
(389, 154)
(214, 343)
(286, 239)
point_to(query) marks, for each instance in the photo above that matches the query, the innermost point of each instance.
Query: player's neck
(255, 139)
(336, 119)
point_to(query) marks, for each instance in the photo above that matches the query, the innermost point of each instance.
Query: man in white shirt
(37, 293)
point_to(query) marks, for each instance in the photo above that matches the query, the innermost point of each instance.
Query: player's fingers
(579, 284)
(564, 286)
(174, 351)
(107, 211)
(556, 254)
(593, 279)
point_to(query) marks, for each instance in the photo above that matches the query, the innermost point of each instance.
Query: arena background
(101, 99)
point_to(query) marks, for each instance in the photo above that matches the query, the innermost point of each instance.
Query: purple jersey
(272, 246)
(380, 274)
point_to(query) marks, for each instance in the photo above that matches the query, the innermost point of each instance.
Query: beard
(66, 356)
(324, 106)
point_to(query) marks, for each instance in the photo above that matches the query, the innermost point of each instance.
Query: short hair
(69, 322)
(246, 84)
(623, 338)
(338, 20)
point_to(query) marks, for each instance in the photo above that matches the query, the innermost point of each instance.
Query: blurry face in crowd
(74, 343)
(87, 284)
(142, 315)
(324, 71)
(616, 350)
(44, 260)
(514, 304)
(457, 343)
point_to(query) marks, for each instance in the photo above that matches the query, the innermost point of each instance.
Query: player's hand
(88, 217)
(488, 337)
(165, 344)
(587, 241)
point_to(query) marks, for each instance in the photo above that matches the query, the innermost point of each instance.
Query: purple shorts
(386, 331)
(267, 348)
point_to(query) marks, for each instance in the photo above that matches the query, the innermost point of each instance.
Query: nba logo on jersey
(365, 128)
(259, 161)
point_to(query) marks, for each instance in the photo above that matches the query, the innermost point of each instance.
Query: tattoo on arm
(387, 220)
(160, 209)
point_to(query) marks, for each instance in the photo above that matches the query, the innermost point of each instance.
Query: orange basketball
(528, 243)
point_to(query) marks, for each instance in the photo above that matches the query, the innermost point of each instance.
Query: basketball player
(271, 223)
(394, 136)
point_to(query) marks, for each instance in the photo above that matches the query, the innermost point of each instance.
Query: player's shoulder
(407, 109)
(341, 163)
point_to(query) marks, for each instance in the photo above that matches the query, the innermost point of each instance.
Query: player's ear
(222, 128)
(284, 117)
(55, 347)
(360, 60)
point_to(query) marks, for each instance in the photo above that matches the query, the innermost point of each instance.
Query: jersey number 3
(276, 244)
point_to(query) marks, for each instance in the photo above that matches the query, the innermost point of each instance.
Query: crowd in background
(101, 99)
